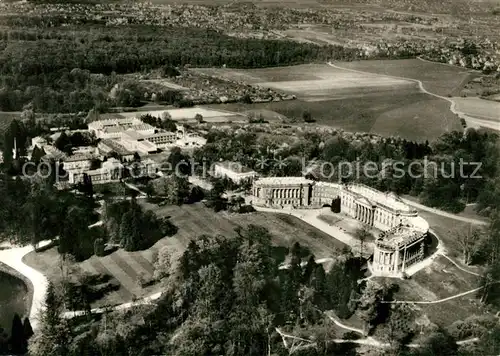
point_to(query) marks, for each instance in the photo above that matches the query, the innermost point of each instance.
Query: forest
(73, 68)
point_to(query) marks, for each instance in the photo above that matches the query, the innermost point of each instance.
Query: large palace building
(402, 239)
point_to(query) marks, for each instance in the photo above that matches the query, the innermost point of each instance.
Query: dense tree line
(443, 173)
(72, 69)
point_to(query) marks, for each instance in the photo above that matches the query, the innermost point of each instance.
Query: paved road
(133, 187)
(13, 258)
(144, 301)
(444, 213)
(470, 120)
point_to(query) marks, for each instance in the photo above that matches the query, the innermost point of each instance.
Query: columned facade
(276, 192)
(402, 242)
(397, 249)
(365, 214)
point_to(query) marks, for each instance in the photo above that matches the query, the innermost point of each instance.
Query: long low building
(234, 171)
(402, 228)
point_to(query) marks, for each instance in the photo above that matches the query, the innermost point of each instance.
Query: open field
(437, 78)
(192, 221)
(313, 81)
(165, 83)
(482, 109)
(359, 101)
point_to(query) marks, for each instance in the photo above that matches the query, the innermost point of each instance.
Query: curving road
(444, 213)
(471, 121)
(13, 258)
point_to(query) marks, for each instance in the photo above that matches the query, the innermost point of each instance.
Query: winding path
(471, 121)
(13, 258)
(444, 213)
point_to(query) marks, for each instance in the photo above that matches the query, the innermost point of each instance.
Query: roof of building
(403, 233)
(117, 147)
(78, 157)
(134, 134)
(111, 163)
(141, 127)
(235, 167)
(113, 129)
(52, 153)
(55, 156)
(389, 200)
(150, 145)
(273, 181)
(161, 134)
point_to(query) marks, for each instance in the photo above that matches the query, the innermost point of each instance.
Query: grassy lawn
(192, 221)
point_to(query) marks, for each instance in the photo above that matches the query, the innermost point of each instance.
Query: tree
(18, 340)
(179, 163)
(54, 336)
(307, 117)
(130, 229)
(372, 311)
(176, 190)
(28, 330)
(37, 154)
(490, 288)
(247, 99)
(166, 116)
(63, 143)
(438, 343)
(470, 243)
(163, 263)
(99, 247)
(363, 235)
(87, 187)
(170, 71)
(399, 327)
(198, 118)
(491, 246)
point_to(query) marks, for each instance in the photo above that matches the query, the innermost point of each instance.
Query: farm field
(437, 78)
(482, 109)
(357, 101)
(192, 221)
(313, 81)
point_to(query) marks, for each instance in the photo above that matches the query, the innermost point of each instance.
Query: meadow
(437, 78)
(366, 102)
(480, 108)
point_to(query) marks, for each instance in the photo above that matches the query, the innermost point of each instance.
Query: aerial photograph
(250, 177)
